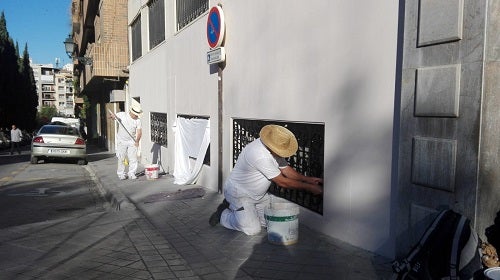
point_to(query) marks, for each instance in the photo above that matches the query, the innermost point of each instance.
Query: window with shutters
(156, 22)
(189, 10)
(136, 38)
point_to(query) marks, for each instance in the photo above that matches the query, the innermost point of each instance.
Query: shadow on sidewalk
(314, 257)
(95, 153)
(98, 157)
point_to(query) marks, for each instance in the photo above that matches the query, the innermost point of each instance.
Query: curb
(112, 194)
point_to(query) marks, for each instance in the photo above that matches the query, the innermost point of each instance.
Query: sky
(42, 24)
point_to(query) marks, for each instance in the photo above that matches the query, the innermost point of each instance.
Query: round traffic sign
(215, 27)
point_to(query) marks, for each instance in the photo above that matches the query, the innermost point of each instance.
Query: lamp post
(69, 45)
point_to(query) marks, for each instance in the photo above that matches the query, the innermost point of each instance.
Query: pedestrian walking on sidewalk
(127, 140)
(15, 139)
(259, 163)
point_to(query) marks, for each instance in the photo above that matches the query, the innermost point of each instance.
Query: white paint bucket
(492, 273)
(151, 171)
(282, 220)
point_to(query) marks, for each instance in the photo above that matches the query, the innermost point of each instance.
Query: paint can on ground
(151, 171)
(282, 220)
(492, 273)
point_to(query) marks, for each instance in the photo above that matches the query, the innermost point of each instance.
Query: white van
(74, 122)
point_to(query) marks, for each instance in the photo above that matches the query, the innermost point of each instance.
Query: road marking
(35, 192)
(7, 179)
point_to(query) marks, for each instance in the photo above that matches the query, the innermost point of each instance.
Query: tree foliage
(45, 115)
(18, 96)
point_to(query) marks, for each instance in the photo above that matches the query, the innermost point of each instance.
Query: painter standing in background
(127, 140)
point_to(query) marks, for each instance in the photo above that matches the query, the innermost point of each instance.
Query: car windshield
(57, 129)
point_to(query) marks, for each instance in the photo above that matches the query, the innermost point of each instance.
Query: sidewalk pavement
(182, 245)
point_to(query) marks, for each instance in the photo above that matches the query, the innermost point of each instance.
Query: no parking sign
(215, 27)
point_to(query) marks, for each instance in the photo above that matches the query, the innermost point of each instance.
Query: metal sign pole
(220, 127)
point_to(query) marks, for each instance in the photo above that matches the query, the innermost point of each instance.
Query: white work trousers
(128, 150)
(248, 220)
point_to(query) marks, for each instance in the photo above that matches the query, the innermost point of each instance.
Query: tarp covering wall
(192, 137)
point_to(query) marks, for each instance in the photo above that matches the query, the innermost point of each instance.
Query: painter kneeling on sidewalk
(127, 140)
(260, 163)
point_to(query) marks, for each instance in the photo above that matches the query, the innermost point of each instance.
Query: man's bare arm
(295, 183)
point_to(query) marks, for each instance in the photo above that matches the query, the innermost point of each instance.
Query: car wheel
(34, 160)
(82, 162)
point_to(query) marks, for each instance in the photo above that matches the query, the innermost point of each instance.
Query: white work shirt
(253, 171)
(130, 124)
(15, 135)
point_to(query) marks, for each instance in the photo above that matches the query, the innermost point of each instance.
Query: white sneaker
(132, 177)
(122, 177)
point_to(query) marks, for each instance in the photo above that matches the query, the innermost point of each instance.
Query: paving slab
(176, 241)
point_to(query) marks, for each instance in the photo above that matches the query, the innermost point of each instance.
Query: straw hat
(135, 109)
(279, 140)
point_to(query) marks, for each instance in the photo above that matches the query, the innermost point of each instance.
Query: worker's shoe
(215, 218)
(122, 177)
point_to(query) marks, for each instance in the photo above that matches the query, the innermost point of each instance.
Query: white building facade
(65, 99)
(309, 62)
(55, 88)
(44, 75)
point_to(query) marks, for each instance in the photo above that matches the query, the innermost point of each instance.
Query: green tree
(29, 94)
(18, 97)
(9, 73)
(45, 115)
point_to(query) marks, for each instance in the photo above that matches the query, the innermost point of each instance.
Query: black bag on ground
(449, 249)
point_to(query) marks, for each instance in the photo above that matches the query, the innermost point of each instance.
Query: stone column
(449, 112)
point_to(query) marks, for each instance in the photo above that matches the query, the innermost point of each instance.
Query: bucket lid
(281, 209)
(492, 273)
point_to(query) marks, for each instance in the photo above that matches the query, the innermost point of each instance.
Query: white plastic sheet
(192, 137)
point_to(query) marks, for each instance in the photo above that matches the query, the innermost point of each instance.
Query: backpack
(449, 249)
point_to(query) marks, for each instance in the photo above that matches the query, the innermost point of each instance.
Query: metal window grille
(136, 38)
(189, 10)
(156, 22)
(309, 159)
(159, 128)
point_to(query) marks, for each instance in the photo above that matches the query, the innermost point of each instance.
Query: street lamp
(69, 45)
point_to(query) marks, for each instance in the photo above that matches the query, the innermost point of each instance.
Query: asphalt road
(34, 193)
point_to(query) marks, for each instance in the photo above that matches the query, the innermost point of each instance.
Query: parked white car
(58, 141)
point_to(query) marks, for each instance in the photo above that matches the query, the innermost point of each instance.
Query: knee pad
(252, 228)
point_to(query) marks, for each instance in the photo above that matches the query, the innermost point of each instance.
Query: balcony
(83, 13)
(47, 79)
(109, 61)
(78, 100)
(48, 103)
(48, 96)
(48, 88)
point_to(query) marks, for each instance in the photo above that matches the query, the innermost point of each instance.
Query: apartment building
(65, 98)
(45, 84)
(384, 96)
(303, 64)
(55, 88)
(100, 60)
(394, 103)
